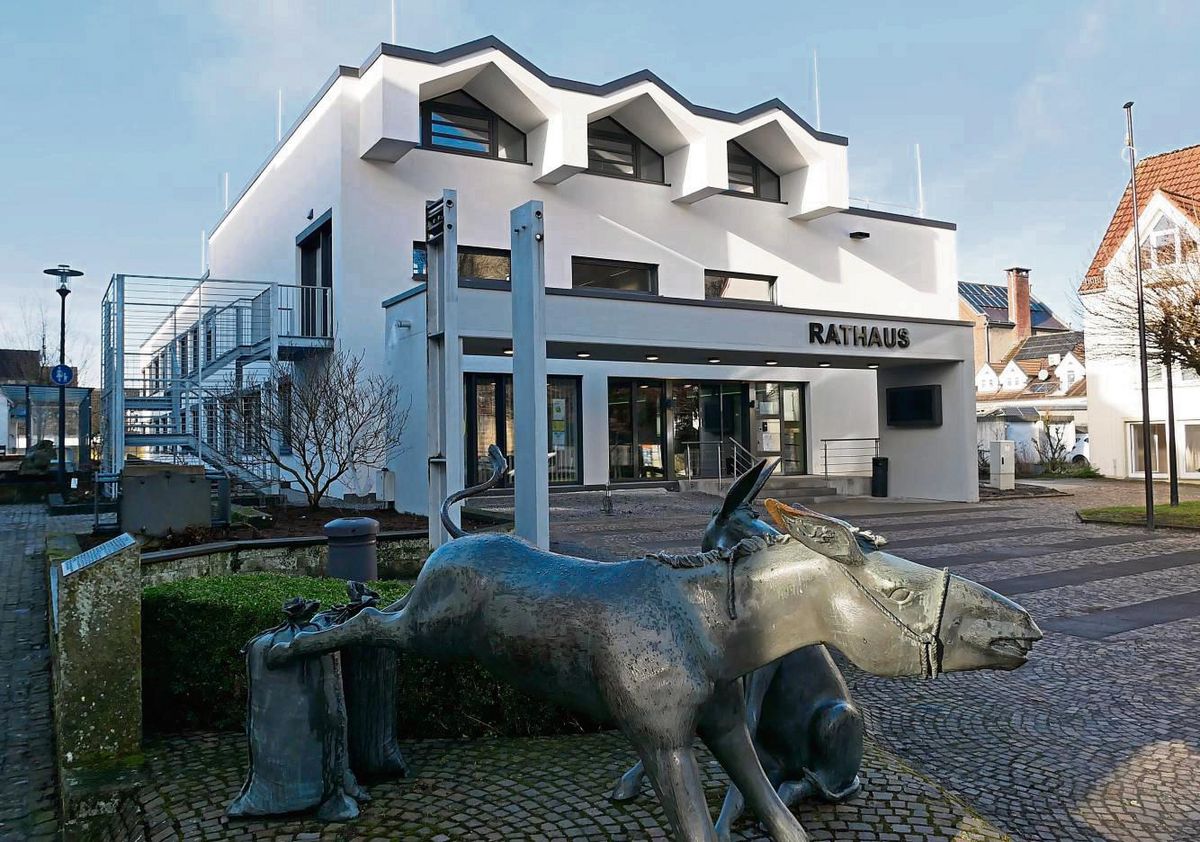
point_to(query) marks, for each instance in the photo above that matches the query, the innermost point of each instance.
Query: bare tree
(318, 424)
(34, 329)
(1050, 445)
(1171, 304)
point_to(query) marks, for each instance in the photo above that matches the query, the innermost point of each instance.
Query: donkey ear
(763, 477)
(827, 536)
(743, 489)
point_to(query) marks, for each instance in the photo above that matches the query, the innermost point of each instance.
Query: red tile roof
(1176, 174)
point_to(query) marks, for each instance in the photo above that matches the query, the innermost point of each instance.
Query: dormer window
(749, 175)
(458, 122)
(1163, 243)
(614, 150)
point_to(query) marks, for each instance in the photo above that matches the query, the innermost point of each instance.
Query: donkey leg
(723, 729)
(676, 778)
(369, 626)
(731, 811)
(630, 784)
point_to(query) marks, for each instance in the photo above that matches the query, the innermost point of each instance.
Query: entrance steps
(799, 489)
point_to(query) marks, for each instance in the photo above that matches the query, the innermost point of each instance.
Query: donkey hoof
(625, 791)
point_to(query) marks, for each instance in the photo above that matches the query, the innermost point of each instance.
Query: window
(739, 286)
(749, 175)
(1191, 448)
(1163, 243)
(1158, 448)
(474, 262)
(316, 276)
(458, 122)
(285, 416)
(614, 150)
(614, 274)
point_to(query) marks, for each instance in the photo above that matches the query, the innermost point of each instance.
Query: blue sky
(119, 118)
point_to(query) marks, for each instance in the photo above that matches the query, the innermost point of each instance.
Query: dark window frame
(487, 251)
(636, 145)
(749, 276)
(429, 106)
(757, 170)
(652, 269)
(504, 386)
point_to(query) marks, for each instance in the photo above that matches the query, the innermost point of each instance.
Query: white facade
(1114, 381)
(359, 153)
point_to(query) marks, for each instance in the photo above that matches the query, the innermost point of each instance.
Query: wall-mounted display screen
(914, 406)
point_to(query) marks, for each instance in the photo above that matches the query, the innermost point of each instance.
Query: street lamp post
(64, 273)
(1147, 471)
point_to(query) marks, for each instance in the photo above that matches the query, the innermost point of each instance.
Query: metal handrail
(848, 455)
(743, 459)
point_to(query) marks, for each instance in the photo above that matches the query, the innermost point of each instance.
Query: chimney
(1018, 301)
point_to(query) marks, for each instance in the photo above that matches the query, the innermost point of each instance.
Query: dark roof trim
(725, 304)
(314, 225)
(403, 296)
(901, 217)
(491, 42)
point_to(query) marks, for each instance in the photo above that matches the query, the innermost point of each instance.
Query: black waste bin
(879, 476)
(352, 549)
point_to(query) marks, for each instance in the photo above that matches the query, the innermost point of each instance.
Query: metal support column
(444, 375)
(532, 478)
(117, 384)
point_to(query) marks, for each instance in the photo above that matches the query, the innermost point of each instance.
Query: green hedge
(194, 675)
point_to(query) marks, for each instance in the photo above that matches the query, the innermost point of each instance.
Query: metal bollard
(352, 549)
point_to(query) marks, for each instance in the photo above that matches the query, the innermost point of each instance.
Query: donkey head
(736, 518)
(891, 616)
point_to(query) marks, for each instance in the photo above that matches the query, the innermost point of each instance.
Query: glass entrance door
(637, 438)
(779, 411)
(706, 417)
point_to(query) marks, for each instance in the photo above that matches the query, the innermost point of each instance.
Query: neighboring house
(17, 365)
(1168, 218)
(1004, 316)
(1039, 388)
(711, 293)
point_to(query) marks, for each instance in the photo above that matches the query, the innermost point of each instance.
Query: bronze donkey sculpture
(806, 729)
(657, 644)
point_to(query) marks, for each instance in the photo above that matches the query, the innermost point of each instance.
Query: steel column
(532, 478)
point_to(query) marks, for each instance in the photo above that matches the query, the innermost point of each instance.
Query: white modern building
(1169, 222)
(710, 293)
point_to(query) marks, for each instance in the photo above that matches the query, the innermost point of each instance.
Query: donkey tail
(499, 469)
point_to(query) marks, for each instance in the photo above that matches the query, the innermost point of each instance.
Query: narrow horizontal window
(731, 285)
(458, 122)
(591, 272)
(614, 150)
(474, 262)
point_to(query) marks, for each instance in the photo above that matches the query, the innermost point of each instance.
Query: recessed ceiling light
(824, 365)
(873, 365)
(583, 355)
(508, 351)
(714, 359)
(652, 358)
(772, 362)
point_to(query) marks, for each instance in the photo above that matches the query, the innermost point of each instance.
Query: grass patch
(1186, 514)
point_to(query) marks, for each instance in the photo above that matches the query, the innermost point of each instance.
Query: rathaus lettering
(858, 335)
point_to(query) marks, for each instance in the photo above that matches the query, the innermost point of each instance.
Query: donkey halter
(930, 641)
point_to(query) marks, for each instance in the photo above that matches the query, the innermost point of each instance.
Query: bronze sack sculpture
(657, 644)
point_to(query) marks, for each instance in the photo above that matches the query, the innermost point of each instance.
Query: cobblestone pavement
(528, 789)
(27, 801)
(1098, 738)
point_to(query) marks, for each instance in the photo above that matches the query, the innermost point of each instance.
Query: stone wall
(400, 555)
(96, 647)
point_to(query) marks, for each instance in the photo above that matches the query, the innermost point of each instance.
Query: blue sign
(62, 375)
